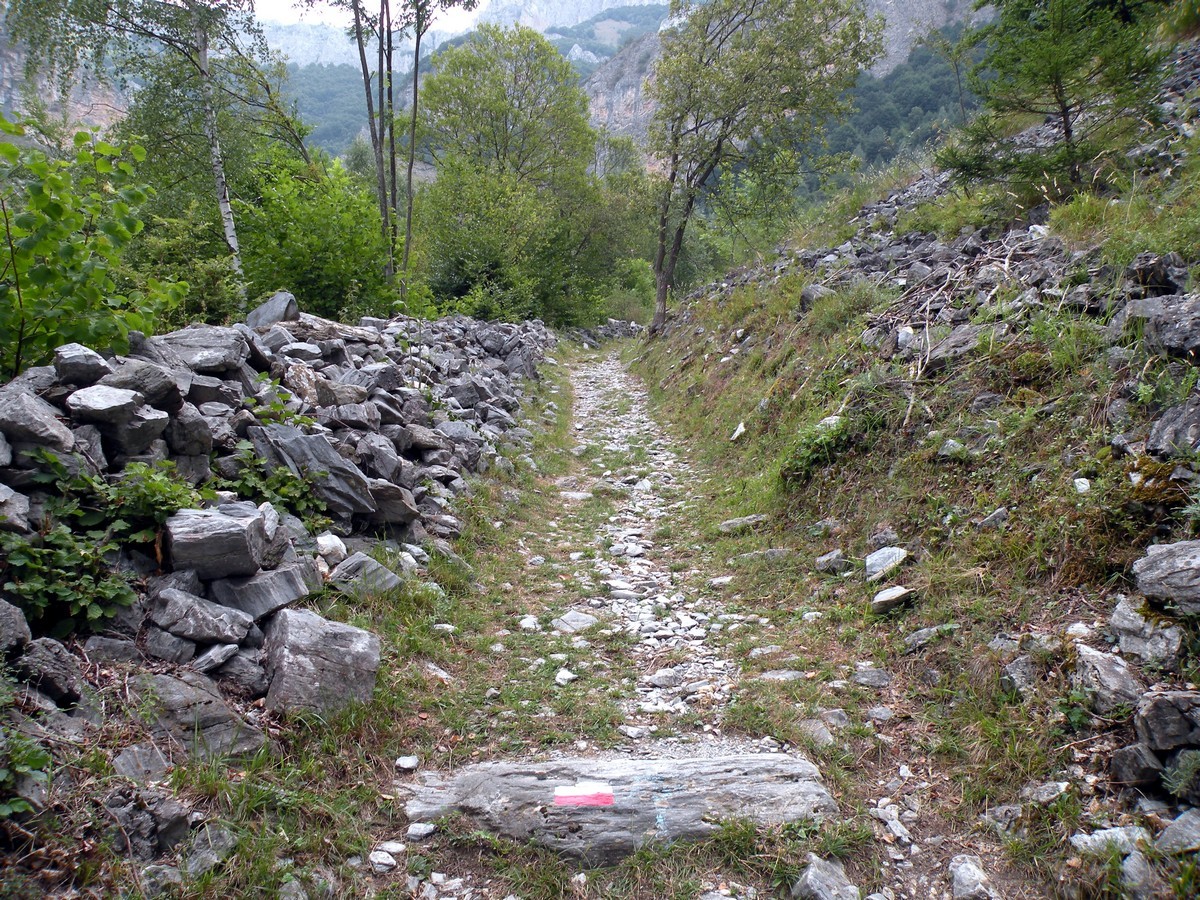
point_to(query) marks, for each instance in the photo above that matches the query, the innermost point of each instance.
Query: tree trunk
(376, 142)
(391, 120)
(218, 164)
(418, 31)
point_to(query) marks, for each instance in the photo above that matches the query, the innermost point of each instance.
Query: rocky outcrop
(637, 800)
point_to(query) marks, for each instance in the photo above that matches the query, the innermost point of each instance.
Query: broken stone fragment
(209, 349)
(26, 419)
(103, 404)
(318, 665)
(1171, 572)
(76, 364)
(1155, 643)
(279, 307)
(49, 667)
(883, 562)
(833, 563)
(824, 879)
(14, 629)
(217, 543)
(14, 510)
(1108, 680)
(359, 575)
(267, 592)
(189, 709)
(1168, 720)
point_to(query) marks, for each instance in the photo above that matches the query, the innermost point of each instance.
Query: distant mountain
(544, 14)
(597, 39)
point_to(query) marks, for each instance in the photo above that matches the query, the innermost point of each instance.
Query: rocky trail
(650, 603)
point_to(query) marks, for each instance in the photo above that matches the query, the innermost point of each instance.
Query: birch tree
(66, 35)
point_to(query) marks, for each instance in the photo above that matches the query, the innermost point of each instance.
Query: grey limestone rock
(189, 709)
(140, 763)
(1153, 642)
(1176, 432)
(14, 510)
(141, 431)
(14, 630)
(217, 543)
(1168, 720)
(279, 307)
(1172, 324)
(214, 657)
(210, 846)
(824, 879)
(660, 800)
(890, 598)
(884, 561)
(245, 670)
(188, 433)
(968, 880)
(1171, 572)
(960, 342)
(359, 575)
(209, 349)
(188, 616)
(573, 620)
(161, 644)
(102, 649)
(1125, 839)
(1139, 878)
(149, 822)
(336, 480)
(50, 668)
(833, 563)
(743, 524)
(76, 364)
(27, 419)
(1020, 675)
(1108, 680)
(154, 382)
(1135, 766)
(315, 664)
(394, 505)
(267, 592)
(104, 404)
(1182, 835)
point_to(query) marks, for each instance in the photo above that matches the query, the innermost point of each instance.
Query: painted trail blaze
(585, 793)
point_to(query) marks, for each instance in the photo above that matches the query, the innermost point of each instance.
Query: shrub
(65, 224)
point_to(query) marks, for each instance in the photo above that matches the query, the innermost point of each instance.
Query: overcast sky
(291, 11)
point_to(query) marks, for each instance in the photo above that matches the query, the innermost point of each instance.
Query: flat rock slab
(653, 800)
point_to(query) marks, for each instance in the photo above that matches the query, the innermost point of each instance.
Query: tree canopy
(1087, 66)
(741, 84)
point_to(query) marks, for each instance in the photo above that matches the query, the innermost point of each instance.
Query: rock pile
(384, 420)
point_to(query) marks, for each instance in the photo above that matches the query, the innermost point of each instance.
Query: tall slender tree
(418, 16)
(735, 81)
(67, 34)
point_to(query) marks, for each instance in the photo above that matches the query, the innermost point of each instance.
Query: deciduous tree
(738, 81)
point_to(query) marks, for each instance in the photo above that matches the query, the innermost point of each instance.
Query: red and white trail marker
(585, 793)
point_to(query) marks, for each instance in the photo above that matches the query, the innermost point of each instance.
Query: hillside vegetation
(1001, 389)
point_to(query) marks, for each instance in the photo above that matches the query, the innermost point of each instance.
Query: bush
(313, 230)
(65, 225)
